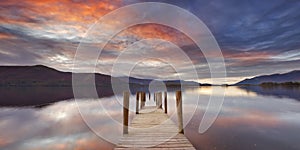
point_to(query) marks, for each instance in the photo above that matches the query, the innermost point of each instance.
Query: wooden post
(179, 111)
(166, 103)
(143, 99)
(140, 97)
(125, 112)
(159, 100)
(155, 97)
(137, 103)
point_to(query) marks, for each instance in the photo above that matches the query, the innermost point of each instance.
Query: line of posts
(141, 97)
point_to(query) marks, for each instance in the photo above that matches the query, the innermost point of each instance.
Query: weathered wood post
(125, 112)
(156, 99)
(137, 103)
(143, 99)
(160, 100)
(140, 97)
(179, 111)
(166, 103)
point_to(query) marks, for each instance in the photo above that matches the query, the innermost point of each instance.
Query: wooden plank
(153, 129)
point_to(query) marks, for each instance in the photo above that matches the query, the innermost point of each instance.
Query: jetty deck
(151, 128)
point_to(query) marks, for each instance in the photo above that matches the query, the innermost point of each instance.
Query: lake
(250, 118)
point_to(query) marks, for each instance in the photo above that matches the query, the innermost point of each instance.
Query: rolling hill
(293, 76)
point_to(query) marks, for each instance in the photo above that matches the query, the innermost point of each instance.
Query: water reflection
(58, 126)
(278, 91)
(232, 91)
(248, 120)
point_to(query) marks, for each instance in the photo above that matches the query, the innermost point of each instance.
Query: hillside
(40, 85)
(293, 76)
(40, 75)
(43, 76)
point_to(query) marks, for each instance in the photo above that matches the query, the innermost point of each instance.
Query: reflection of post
(179, 111)
(137, 103)
(166, 102)
(125, 112)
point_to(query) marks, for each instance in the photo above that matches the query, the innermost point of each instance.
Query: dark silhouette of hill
(40, 75)
(40, 85)
(43, 76)
(293, 76)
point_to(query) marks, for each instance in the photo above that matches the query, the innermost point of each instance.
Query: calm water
(249, 119)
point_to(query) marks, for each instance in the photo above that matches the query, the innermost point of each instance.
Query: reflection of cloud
(253, 118)
(58, 126)
(4, 142)
(89, 141)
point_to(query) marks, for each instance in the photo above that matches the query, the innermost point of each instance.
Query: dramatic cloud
(256, 37)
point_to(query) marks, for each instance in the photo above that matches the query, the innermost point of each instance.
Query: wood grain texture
(153, 129)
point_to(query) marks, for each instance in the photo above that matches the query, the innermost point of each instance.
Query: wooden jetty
(151, 128)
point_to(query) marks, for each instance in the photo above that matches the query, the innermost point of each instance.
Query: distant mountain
(167, 82)
(293, 76)
(40, 75)
(40, 85)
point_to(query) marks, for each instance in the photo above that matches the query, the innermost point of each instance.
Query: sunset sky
(256, 37)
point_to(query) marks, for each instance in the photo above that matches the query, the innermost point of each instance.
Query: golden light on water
(229, 91)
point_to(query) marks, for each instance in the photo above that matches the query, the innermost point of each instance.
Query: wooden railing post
(166, 103)
(179, 111)
(125, 112)
(137, 103)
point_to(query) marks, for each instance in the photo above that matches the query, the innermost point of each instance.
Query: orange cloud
(56, 11)
(161, 32)
(247, 58)
(77, 15)
(249, 55)
(6, 36)
(4, 142)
